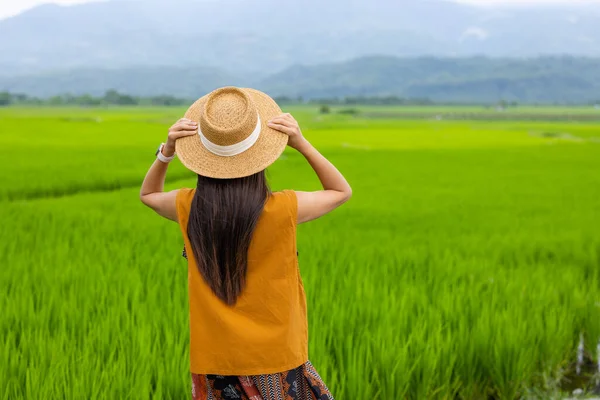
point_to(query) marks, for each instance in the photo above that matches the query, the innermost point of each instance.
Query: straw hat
(233, 138)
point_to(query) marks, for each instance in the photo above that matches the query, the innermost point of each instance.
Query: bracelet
(161, 156)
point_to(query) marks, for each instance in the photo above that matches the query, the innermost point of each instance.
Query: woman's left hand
(181, 128)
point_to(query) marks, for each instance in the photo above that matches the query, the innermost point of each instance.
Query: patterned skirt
(302, 383)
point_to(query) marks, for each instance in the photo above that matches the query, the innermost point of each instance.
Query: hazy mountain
(257, 38)
(545, 80)
(139, 81)
(478, 79)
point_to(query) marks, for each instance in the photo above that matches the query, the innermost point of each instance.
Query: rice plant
(465, 266)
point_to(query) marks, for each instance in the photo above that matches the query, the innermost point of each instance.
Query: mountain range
(476, 79)
(255, 39)
(441, 50)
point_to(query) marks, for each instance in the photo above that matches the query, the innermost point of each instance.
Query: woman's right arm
(336, 190)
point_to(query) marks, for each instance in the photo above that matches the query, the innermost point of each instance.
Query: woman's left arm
(151, 193)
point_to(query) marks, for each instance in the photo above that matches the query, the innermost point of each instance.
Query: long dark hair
(223, 216)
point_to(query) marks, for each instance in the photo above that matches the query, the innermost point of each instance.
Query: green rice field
(466, 265)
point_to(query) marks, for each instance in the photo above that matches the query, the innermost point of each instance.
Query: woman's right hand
(287, 124)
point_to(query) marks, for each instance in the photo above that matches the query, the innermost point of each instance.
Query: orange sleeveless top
(266, 331)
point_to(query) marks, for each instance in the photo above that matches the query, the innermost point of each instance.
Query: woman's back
(265, 331)
(248, 319)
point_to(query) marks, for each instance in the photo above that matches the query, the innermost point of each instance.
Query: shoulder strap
(285, 205)
(291, 205)
(183, 203)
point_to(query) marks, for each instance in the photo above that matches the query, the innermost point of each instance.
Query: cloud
(491, 3)
(10, 8)
(474, 32)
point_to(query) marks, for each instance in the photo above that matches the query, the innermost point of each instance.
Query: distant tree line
(358, 100)
(114, 98)
(110, 98)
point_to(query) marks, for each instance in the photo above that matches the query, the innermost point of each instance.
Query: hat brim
(267, 149)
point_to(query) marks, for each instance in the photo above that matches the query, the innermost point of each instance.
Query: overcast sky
(13, 7)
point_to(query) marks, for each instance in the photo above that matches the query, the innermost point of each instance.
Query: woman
(248, 325)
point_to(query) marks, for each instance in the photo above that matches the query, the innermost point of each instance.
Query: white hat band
(234, 149)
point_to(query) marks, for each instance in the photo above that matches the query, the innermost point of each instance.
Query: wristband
(161, 156)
